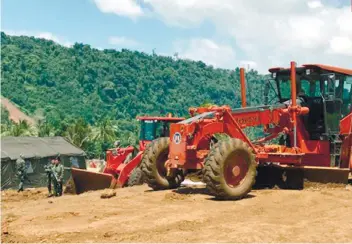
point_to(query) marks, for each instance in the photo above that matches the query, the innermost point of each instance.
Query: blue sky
(82, 21)
(223, 33)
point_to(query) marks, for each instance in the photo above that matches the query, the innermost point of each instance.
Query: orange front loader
(311, 118)
(119, 171)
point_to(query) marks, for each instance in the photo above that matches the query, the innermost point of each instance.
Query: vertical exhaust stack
(294, 102)
(243, 87)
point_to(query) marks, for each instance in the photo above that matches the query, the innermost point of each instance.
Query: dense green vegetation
(81, 89)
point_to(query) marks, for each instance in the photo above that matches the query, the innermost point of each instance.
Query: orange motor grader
(311, 119)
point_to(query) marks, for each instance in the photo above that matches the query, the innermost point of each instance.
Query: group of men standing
(55, 173)
(54, 170)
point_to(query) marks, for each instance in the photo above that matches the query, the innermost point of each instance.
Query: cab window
(163, 129)
(285, 88)
(148, 129)
(310, 88)
(347, 96)
(305, 87)
(347, 91)
(347, 88)
(314, 90)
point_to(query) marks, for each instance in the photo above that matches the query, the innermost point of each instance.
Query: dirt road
(188, 215)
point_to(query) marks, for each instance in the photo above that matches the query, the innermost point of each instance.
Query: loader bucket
(83, 181)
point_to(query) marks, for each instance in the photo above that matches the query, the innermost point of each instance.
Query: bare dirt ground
(14, 112)
(316, 214)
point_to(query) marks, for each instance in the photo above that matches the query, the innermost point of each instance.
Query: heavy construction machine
(120, 171)
(307, 132)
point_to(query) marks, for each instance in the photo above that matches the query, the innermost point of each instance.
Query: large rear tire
(153, 166)
(230, 170)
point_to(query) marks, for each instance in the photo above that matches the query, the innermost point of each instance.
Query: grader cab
(327, 92)
(311, 118)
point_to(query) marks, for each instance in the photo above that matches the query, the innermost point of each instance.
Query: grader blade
(300, 177)
(286, 177)
(326, 175)
(83, 181)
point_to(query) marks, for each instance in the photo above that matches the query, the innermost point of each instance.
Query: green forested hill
(85, 82)
(82, 82)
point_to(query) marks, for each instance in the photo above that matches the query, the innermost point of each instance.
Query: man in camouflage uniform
(48, 170)
(21, 172)
(58, 171)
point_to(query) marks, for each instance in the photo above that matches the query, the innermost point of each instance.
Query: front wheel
(230, 170)
(153, 166)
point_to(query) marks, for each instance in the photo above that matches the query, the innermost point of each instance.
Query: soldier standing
(21, 171)
(58, 170)
(48, 170)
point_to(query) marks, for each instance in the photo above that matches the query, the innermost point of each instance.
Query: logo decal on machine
(177, 138)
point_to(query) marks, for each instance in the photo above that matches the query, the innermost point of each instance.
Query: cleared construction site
(315, 214)
(294, 189)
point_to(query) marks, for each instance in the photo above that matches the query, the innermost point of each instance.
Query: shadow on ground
(203, 191)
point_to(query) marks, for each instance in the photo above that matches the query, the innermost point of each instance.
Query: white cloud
(127, 8)
(344, 21)
(268, 32)
(218, 55)
(341, 45)
(315, 4)
(122, 41)
(43, 35)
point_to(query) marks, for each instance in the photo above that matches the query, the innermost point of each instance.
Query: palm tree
(5, 128)
(78, 133)
(44, 129)
(22, 128)
(105, 131)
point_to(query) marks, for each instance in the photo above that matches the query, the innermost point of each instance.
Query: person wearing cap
(58, 170)
(21, 171)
